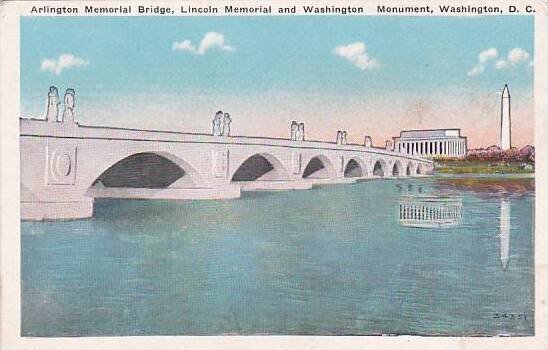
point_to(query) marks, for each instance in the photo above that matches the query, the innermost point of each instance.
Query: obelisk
(505, 123)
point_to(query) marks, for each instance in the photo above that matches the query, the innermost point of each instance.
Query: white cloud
(65, 61)
(183, 45)
(483, 57)
(211, 40)
(477, 69)
(488, 54)
(515, 57)
(501, 64)
(356, 54)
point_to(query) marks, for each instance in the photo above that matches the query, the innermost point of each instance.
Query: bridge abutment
(230, 191)
(57, 210)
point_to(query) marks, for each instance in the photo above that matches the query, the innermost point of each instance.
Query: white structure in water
(431, 143)
(430, 212)
(504, 235)
(505, 120)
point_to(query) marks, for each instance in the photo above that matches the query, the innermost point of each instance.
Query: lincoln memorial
(431, 143)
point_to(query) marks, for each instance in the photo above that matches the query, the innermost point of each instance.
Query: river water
(429, 256)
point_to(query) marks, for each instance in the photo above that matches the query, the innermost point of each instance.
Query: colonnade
(451, 147)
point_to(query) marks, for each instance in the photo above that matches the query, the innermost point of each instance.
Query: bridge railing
(36, 127)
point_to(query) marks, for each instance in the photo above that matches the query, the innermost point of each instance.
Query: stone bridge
(64, 166)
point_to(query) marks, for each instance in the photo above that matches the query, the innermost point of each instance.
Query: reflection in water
(487, 187)
(500, 189)
(504, 232)
(340, 263)
(430, 211)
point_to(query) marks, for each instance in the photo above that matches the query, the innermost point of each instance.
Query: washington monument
(505, 123)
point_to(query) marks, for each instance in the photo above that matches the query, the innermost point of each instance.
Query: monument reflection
(440, 212)
(504, 235)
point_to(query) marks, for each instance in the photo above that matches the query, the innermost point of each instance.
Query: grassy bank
(481, 167)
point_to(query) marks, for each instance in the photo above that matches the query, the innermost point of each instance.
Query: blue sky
(371, 75)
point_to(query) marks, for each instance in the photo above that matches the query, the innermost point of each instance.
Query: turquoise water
(331, 260)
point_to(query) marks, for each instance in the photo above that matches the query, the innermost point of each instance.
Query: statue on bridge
(68, 113)
(217, 123)
(52, 108)
(226, 125)
(341, 137)
(368, 142)
(294, 127)
(298, 133)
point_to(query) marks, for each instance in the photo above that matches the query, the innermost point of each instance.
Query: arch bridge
(65, 166)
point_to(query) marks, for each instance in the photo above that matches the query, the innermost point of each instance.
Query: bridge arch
(397, 169)
(148, 169)
(379, 168)
(410, 169)
(420, 169)
(260, 167)
(319, 167)
(355, 167)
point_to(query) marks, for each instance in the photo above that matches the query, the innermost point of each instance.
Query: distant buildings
(430, 143)
(449, 142)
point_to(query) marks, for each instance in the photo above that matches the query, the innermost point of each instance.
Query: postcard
(273, 174)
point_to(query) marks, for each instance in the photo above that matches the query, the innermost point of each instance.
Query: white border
(9, 208)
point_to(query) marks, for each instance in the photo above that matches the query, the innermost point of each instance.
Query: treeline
(525, 154)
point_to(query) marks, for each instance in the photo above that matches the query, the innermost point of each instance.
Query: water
(332, 260)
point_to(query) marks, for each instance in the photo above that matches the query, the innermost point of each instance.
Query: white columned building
(431, 143)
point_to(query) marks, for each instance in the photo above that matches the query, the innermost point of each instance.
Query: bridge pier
(82, 209)
(220, 192)
(57, 210)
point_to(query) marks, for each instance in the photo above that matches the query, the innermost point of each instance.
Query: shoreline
(485, 175)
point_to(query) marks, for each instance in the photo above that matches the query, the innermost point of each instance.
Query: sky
(368, 75)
